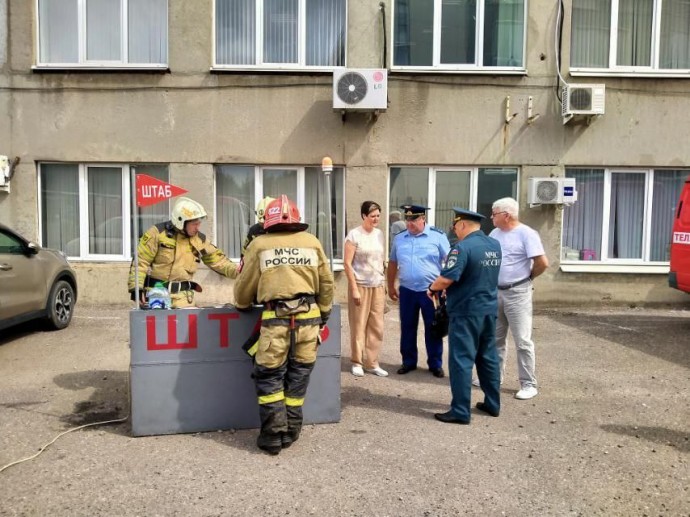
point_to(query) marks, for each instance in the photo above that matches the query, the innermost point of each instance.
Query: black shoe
(482, 407)
(437, 372)
(273, 450)
(447, 418)
(288, 439)
(269, 443)
(406, 369)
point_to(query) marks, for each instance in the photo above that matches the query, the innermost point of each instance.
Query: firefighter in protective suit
(286, 270)
(170, 253)
(258, 228)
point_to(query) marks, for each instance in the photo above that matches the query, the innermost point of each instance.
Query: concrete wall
(192, 119)
(3, 33)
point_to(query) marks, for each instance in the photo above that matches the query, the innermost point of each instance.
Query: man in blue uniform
(470, 279)
(417, 254)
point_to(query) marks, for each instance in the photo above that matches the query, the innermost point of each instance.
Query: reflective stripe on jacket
(167, 254)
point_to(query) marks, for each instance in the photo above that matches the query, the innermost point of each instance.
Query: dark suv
(35, 283)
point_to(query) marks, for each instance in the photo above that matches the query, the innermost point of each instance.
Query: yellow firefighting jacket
(167, 254)
(282, 265)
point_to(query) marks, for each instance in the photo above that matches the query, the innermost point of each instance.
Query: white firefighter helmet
(261, 208)
(184, 210)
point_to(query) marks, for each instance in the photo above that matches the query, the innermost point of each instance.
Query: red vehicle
(679, 275)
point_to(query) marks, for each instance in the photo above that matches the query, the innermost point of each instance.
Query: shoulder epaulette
(161, 227)
(433, 228)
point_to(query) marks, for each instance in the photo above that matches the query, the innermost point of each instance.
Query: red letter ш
(171, 344)
(223, 318)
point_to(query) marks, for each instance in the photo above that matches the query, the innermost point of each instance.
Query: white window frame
(83, 63)
(84, 255)
(259, 35)
(438, 67)
(652, 70)
(300, 201)
(433, 172)
(614, 265)
(431, 184)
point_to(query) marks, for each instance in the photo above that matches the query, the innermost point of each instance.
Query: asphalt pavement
(608, 434)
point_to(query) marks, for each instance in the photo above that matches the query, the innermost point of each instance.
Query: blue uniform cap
(461, 213)
(413, 211)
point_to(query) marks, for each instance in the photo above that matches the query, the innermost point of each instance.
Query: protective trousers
(283, 364)
(471, 340)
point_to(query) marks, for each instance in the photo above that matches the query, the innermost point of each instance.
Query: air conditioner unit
(583, 99)
(360, 89)
(550, 191)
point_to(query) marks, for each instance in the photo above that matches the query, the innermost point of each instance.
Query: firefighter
(170, 252)
(286, 270)
(258, 228)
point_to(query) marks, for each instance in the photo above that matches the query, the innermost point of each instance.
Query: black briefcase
(439, 327)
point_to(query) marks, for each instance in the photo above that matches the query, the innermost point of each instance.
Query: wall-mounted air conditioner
(583, 99)
(550, 191)
(360, 89)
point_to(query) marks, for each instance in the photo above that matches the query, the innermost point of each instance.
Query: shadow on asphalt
(22, 330)
(660, 435)
(109, 400)
(418, 376)
(243, 439)
(659, 336)
(421, 374)
(362, 397)
(352, 396)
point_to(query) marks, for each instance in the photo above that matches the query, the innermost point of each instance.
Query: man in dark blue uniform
(470, 279)
(416, 257)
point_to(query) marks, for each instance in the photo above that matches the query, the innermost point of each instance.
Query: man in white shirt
(523, 261)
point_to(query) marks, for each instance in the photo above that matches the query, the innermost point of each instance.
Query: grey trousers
(515, 312)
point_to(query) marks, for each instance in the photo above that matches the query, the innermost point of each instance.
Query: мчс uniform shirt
(473, 265)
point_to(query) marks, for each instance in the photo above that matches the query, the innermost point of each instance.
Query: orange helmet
(282, 215)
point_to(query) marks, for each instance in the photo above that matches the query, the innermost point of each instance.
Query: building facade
(233, 100)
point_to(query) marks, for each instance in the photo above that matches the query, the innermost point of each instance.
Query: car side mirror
(32, 248)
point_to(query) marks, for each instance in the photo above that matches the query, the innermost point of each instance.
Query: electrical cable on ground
(51, 442)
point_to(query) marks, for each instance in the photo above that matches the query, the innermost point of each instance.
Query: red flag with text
(151, 190)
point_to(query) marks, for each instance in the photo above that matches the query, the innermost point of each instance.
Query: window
(240, 188)
(103, 33)
(83, 209)
(634, 36)
(621, 216)
(279, 34)
(459, 34)
(10, 245)
(443, 188)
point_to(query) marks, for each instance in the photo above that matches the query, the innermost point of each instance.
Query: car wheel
(60, 305)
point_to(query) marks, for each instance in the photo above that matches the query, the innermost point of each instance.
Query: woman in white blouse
(364, 259)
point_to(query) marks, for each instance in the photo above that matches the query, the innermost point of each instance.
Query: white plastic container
(159, 297)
